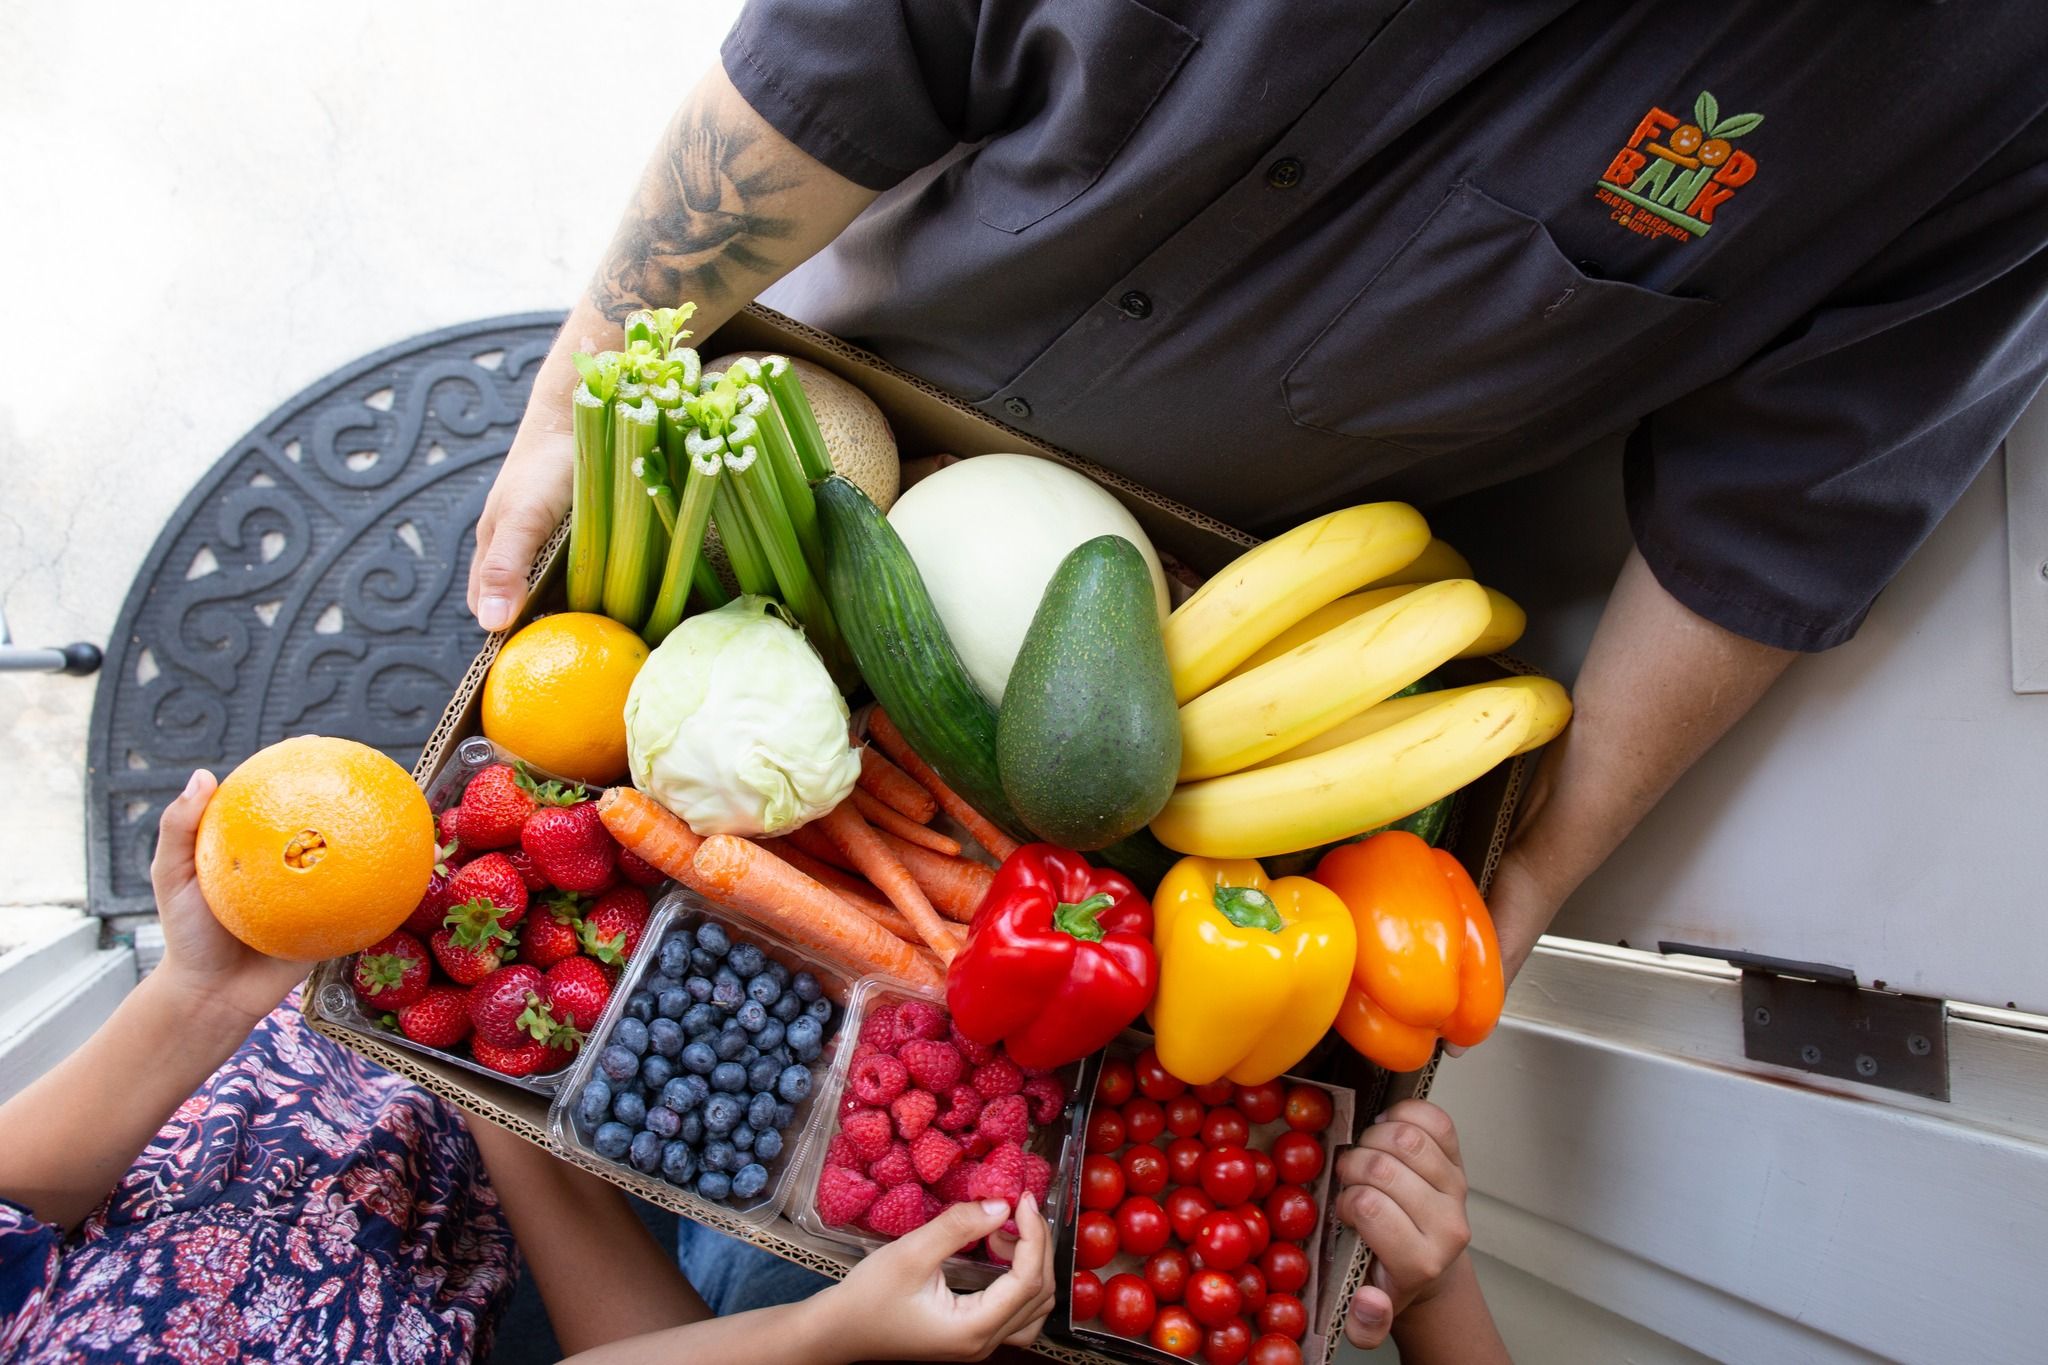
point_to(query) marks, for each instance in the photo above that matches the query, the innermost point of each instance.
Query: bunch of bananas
(1286, 665)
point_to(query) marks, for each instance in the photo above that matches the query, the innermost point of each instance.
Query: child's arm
(1404, 1193)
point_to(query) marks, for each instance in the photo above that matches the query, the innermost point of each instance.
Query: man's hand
(1403, 1192)
(531, 494)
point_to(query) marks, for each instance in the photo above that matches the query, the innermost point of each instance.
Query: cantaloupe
(857, 436)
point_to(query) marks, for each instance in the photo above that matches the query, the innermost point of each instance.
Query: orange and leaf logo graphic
(1673, 188)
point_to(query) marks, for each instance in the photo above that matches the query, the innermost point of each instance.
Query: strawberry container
(1326, 1277)
(1051, 1141)
(683, 911)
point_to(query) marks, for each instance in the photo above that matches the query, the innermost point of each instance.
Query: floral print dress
(304, 1205)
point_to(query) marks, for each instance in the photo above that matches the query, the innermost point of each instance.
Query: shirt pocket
(1092, 69)
(1478, 325)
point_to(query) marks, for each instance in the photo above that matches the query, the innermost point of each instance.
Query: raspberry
(952, 1186)
(879, 1028)
(878, 1079)
(839, 1152)
(1005, 1120)
(899, 1211)
(868, 1133)
(977, 1054)
(1037, 1176)
(963, 1107)
(935, 1066)
(919, 1019)
(999, 1077)
(1000, 1176)
(932, 1155)
(914, 1111)
(863, 1051)
(894, 1167)
(1048, 1097)
(843, 1195)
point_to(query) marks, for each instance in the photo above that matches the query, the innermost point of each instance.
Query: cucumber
(1088, 736)
(898, 642)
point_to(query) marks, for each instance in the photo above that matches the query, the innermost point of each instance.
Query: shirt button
(1284, 174)
(1135, 305)
(1017, 407)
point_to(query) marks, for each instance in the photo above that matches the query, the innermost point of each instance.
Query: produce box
(925, 422)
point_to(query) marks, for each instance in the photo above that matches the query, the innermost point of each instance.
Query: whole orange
(556, 694)
(315, 848)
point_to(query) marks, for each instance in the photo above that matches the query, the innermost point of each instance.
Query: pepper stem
(1079, 920)
(1247, 907)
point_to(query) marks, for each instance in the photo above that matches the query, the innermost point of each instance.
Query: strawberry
(893, 1167)
(392, 973)
(522, 863)
(868, 1132)
(914, 1111)
(495, 805)
(570, 846)
(426, 917)
(844, 1195)
(935, 1066)
(998, 1078)
(1001, 1175)
(899, 1211)
(522, 1059)
(611, 930)
(575, 990)
(639, 871)
(499, 1001)
(466, 964)
(440, 1019)
(492, 878)
(1006, 1119)
(1047, 1095)
(549, 938)
(449, 825)
(877, 1079)
(933, 1154)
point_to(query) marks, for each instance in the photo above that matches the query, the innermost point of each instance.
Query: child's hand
(895, 1304)
(216, 969)
(1404, 1193)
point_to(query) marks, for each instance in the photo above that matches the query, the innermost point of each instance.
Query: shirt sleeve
(30, 1252)
(1779, 501)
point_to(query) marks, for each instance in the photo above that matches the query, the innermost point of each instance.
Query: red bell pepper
(1058, 959)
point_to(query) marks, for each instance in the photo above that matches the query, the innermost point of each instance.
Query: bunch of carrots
(870, 887)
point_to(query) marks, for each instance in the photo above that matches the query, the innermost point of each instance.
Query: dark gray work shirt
(1274, 256)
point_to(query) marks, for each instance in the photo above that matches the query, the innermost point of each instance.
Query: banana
(1273, 585)
(1437, 561)
(1553, 708)
(1355, 787)
(1503, 629)
(1329, 679)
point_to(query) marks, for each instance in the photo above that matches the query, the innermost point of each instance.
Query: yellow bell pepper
(1251, 972)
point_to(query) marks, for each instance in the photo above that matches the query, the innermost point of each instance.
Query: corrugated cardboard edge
(953, 427)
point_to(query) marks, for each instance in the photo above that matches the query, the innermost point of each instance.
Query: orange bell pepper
(1428, 964)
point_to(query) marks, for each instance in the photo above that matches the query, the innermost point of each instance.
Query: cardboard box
(926, 422)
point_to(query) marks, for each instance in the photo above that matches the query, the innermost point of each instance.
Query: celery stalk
(790, 482)
(685, 548)
(590, 511)
(704, 582)
(778, 376)
(749, 565)
(761, 504)
(628, 576)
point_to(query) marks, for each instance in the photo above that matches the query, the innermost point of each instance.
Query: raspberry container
(1053, 1141)
(1325, 1277)
(330, 982)
(684, 909)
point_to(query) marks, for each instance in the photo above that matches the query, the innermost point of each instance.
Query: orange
(315, 848)
(556, 695)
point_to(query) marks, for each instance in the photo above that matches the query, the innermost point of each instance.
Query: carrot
(844, 826)
(955, 885)
(655, 834)
(884, 732)
(884, 816)
(896, 788)
(811, 839)
(748, 878)
(848, 885)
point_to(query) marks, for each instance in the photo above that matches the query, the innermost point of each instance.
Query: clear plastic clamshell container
(683, 911)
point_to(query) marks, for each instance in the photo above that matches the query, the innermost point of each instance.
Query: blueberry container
(578, 1128)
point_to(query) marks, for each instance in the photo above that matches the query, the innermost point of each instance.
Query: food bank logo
(1672, 189)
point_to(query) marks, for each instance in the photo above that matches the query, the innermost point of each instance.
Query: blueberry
(806, 987)
(593, 1102)
(727, 993)
(767, 1145)
(729, 1077)
(698, 988)
(655, 1072)
(629, 1108)
(806, 1038)
(645, 1153)
(713, 1185)
(665, 1036)
(721, 1115)
(663, 1121)
(611, 1140)
(678, 1163)
(771, 1036)
(685, 1093)
(720, 1154)
(749, 1180)
(820, 1010)
(700, 1016)
(706, 1036)
(785, 1114)
(778, 971)
(752, 1016)
(743, 1137)
(763, 1074)
(748, 1055)
(793, 1084)
(675, 955)
(692, 1130)
(730, 1043)
(698, 1058)
(672, 1003)
(631, 1034)
(712, 939)
(618, 1064)
(788, 1009)
(746, 959)
(702, 962)
(761, 1111)
(657, 982)
(640, 1005)
(762, 987)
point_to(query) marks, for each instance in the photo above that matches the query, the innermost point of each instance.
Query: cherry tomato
(1185, 1209)
(1251, 1284)
(1283, 1316)
(1102, 1183)
(1184, 1161)
(1141, 1225)
(1285, 1266)
(1095, 1240)
(1271, 1350)
(1127, 1306)
(1255, 1223)
(1144, 1169)
(1155, 1082)
(1087, 1295)
(1228, 1344)
(1167, 1271)
(1291, 1210)
(1176, 1332)
(1215, 1092)
(1261, 1103)
(1213, 1298)
(1222, 1241)
(1184, 1115)
(1265, 1175)
(1143, 1119)
(1115, 1083)
(1227, 1175)
(1307, 1109)
(1226, 1128)
(1105, 1130)
(1299, 1157)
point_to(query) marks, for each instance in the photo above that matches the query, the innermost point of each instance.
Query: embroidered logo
(1673, 188)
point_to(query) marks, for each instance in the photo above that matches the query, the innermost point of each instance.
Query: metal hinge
(1814, 1017)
